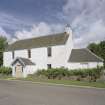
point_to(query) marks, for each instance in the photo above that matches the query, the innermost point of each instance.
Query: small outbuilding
(83, 58)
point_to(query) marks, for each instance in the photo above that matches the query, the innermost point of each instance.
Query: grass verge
(68, 82)
(100, 84)
(5, 76)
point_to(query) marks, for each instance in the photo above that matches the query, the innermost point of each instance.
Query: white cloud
(96, 33)
(2, 32)
(11, 22)
(39, 30)
(87, 18)
(5, 34)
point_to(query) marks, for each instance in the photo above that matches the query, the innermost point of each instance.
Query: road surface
(26, 93)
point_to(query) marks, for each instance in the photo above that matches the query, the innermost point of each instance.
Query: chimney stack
(68, 29)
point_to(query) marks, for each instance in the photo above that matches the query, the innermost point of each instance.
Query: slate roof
(23, 61)
(43, 41)
(83, 55)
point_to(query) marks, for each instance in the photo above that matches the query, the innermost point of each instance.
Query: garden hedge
(59, 73)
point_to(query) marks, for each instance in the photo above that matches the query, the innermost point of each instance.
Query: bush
(54, 73)
(59, 73)
(92, 74)
(5, 70)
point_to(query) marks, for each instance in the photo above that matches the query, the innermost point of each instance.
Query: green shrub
(54, 73)
(5, 70)
(59, 73)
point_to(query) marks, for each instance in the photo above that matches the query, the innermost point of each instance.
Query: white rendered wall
(61, 54)
(13, 71)
(95, 64)
(58, 56)
(7, 56)
(29, 69)
(84, 65)
(69, 43)
(21, 53)
(39, 57)
(7, 59)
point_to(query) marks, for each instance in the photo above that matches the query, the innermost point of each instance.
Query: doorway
(18, 71)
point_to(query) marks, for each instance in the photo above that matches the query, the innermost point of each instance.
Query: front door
(19, 71)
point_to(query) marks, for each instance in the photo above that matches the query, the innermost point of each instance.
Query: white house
(51, 51)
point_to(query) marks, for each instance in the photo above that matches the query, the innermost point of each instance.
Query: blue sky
(33, 10)
(29, 12)
(30, 18)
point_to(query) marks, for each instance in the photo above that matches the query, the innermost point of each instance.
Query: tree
(3, 44)
(98, 49)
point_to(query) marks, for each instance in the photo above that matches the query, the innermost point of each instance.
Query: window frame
(13, 54)
(49, 66)
(29, 53)
(49, 51)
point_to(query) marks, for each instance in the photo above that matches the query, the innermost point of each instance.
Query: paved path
(24, 93)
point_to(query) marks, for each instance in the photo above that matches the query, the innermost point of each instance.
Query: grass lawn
(68, 82)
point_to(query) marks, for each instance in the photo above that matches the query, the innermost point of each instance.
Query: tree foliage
(98, 49)
(3, 44)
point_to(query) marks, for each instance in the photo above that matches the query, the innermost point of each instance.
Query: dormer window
(29, 53)
(49, 52)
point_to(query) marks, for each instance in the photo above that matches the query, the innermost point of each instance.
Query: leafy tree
(3, 44)
(98, 49)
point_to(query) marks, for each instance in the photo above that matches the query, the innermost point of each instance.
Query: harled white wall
(7, 59)
(39, 57)
(29, 69)
(21, 53)
(58, 56)
(83, 65)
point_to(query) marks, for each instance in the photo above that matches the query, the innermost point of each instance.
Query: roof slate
(83, 55)
(27, 61)
(43, 41)
(24, 61)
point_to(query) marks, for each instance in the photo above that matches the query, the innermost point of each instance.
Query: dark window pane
(49, 66)
(13, 54)
(29, 53)
(49, 51)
